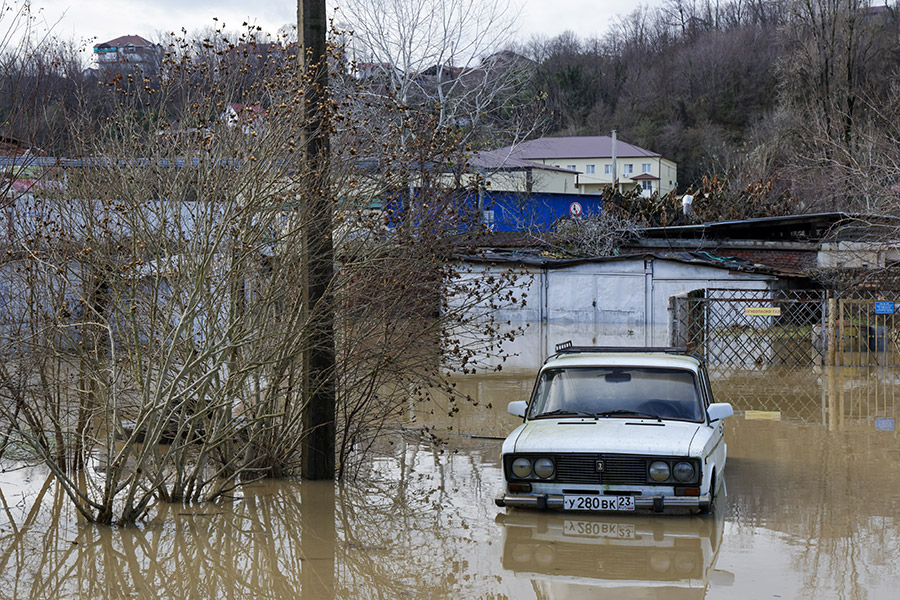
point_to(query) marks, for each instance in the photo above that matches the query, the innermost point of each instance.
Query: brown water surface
(812, 510)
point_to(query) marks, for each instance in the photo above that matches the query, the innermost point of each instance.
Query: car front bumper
(658, 503)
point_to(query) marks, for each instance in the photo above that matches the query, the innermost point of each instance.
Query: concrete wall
(856, 255)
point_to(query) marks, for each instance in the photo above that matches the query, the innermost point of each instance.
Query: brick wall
(790, 260)
(801, 261)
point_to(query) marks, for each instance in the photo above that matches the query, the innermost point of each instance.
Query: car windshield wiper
(563, 412)
(624, 412)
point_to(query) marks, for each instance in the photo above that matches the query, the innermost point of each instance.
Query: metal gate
(798, 354)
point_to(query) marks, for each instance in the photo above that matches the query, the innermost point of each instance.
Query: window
(607, 169)
(645, 168)
(647, 186)
(570, 167)
(601, 389)
(628, 169)
(589, 170)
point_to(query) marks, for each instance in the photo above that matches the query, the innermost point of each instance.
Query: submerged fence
(797, 354)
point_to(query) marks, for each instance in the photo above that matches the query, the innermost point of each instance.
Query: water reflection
(574, 556)
(812, 511)
(251, 547)
(419, 525)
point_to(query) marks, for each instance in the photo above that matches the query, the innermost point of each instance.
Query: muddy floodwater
(811, 510)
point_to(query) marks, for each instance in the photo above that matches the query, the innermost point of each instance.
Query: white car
(617, 429)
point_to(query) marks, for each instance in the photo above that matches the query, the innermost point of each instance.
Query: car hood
(613, 435)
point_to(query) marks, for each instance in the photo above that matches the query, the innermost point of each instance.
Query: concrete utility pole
(615, 169)
(318, 253)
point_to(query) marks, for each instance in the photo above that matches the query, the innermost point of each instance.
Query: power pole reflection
(317, 539)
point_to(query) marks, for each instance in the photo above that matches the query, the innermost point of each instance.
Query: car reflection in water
(612, 556)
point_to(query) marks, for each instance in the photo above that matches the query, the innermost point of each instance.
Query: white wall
(619, 302)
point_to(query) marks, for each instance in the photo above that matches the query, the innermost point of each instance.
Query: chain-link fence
(799, 354)
(751, 327)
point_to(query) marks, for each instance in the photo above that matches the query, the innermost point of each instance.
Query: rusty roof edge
(701, 258)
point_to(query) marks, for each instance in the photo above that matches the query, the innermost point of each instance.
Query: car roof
(650, 359)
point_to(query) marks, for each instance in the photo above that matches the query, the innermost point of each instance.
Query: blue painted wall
(534, 212)
(508, 211)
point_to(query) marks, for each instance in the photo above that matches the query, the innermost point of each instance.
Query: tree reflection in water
(400, 532)
(811, 511)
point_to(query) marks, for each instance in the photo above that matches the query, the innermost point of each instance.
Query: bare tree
(834, 85)
(445, 56)
(152, 352)
(596, 235)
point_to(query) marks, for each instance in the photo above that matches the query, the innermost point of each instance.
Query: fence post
(831, 354)
(830, 330)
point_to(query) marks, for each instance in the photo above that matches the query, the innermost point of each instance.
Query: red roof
(134, 40)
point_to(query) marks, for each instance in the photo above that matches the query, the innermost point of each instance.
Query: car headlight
(685, 562)
(544, 555)
(521, 468)
(683, 471)
(522, 553)
(660, 562)
(543, 467)
(659, 470)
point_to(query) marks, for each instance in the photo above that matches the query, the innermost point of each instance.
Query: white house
(591, 157)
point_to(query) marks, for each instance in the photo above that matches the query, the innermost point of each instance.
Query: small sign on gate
(884, 424)
(762, 311)
(884, 308)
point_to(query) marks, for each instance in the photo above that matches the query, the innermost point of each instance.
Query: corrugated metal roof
(813, 225)
(703, 258)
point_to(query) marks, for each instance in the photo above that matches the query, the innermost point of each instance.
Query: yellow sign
(762, 311)
(762, 415)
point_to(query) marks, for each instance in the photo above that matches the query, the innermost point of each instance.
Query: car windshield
(657, 393)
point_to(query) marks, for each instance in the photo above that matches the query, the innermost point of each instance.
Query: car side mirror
(719, 410)
(721, 578)
(517, 408)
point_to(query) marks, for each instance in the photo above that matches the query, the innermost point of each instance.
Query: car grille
(612, 562)
(618, 469)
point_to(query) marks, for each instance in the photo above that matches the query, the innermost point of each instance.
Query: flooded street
(811, 511)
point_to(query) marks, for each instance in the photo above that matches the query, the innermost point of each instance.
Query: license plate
(622, 531)
(598, 503)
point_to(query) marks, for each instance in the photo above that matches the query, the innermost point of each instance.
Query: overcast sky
(97, 21)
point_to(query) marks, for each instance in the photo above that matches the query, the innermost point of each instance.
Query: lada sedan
(617, 429)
